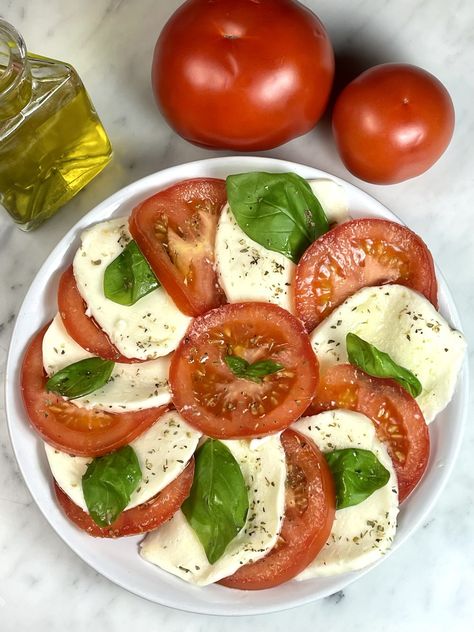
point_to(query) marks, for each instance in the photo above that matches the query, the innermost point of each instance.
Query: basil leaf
(277, 210)
(357, 474)
(255, 371)
(108, 484)
(129, 277)
(379, 364)
(81, 378)
(217, 505)
(237, 365)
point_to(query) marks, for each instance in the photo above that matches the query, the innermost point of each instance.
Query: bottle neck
(15, 75)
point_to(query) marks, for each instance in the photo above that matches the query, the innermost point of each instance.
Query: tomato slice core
(220, 403)
(140, 519)
(357, 254)
(176, 229)
(398, 419)
(67, 427)
(309, 514)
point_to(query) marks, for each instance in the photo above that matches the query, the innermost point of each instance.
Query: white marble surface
(428, 583)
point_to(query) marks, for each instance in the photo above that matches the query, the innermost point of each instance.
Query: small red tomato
(242, 74)
(392, 123)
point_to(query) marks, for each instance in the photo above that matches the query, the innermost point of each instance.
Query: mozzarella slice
(176, 548)
(405, 325)
(248, 271)
(363, 533)
(163, 452)
(131, 386)
(150, 328)
(333, 199)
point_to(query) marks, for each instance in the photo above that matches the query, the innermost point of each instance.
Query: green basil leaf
(237, 365)
(81, 378)
(277, 210)
(129, 277)
(357, 474)
(108, 484)
(255, 371)
(379, 364)
(217, 505)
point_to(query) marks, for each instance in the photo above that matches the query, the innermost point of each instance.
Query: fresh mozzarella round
(176, 548)
(362, 533)
(163, 452)
(131, 386)
(248, 271)
(150, 328)
(332, 198)
(405, 325)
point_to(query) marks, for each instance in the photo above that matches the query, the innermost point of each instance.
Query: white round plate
(118, 559)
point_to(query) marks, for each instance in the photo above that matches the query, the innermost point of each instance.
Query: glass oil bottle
(52, 142)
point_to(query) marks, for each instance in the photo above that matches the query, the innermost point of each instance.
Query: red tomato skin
(188, 380)
(140, 519)
(342, 248)
(70, 428)
(392, 123)
(84, 330)
(178, 202)
(242, 75)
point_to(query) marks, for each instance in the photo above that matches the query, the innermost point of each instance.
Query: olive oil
(52, 142)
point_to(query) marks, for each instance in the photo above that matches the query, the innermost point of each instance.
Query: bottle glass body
(52, 142)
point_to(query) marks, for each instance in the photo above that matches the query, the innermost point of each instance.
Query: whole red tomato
(240, 74)
(392, 123)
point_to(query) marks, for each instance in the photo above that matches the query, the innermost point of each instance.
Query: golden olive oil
(52, 146)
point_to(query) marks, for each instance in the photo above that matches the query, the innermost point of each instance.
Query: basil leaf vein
(277, 210)
(379, 364)
(357, 475)
(217, 505)
(129, 277)
(255, 372)
(108, 484)
(81, 378)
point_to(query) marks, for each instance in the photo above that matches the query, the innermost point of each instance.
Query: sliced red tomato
(69, 428)
(84, 330)
(176, 229)
(356, 254)
(398, 419)
(310, 506)
(140, 519)
(214, 399)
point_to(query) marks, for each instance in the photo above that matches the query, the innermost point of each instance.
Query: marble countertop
(428, 583)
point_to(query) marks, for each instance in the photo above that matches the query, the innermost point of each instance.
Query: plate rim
(64, 245)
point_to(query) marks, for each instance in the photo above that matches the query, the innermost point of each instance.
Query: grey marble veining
(428, 583)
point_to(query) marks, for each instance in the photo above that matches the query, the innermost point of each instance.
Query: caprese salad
(246, 375)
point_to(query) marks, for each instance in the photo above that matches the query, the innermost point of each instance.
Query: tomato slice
(84, 330)
(396, 415)
(140, 519)
(310, 507)
(220, 404)
(356, 254)
(75, 430)
(176, 230)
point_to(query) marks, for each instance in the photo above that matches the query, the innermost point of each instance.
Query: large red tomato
(392, 123)
(240, 74)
